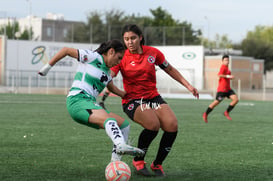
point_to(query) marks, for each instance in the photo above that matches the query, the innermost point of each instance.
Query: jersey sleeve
(86, 56)
(160, 60)
(222, 70)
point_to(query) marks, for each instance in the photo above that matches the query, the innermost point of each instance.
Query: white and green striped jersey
(92, 74)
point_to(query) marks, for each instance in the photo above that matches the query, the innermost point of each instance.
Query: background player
(223, 90)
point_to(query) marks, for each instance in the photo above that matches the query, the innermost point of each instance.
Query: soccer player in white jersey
(92, 76)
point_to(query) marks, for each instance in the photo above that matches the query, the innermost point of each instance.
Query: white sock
(113, 131)
(125, 132)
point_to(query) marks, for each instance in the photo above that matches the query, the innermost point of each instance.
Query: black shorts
(153, 103)
(221, 95)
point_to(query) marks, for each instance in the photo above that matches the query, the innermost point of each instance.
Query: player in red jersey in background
(223, 90)
(142, 102)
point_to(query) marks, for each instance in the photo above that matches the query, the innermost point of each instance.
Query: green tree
(141, 21)
(25, 35)
(162, 18)
(79, 33)
(219, 41)
(13, 30)
(168, 31)
(97, 29)
(91, 32)
(115, 20)
(159, 29)
(163, 27)
(190, 36)
(259, 44)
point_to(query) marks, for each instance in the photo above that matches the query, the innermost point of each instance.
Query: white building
(51, 28)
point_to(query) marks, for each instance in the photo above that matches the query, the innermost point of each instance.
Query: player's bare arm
(112, 88)
(72, 52)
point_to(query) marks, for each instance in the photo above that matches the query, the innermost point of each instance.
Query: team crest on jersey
(85, 58)
(151, 59)
(131, 107)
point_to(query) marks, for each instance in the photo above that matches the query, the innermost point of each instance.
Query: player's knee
(154, 126)
(170, 126)
(235, 100)
(174, 126)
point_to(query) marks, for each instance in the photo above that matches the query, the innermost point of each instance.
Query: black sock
(165, 146)
(145, 139)
(229, 108)
(208, 110)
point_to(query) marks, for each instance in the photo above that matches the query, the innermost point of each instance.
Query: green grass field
(39, 141)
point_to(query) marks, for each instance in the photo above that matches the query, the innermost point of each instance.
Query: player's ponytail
(117, 45)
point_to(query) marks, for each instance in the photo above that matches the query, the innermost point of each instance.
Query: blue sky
(231, 18)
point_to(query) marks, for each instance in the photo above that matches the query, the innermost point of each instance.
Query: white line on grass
(30, 102)
(246, 104)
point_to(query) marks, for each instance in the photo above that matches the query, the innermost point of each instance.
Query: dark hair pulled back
(116, 44)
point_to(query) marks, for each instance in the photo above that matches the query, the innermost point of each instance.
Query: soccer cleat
(227, 115)
(158, 170)
(129, 150)
(205, 117)
(141, 168)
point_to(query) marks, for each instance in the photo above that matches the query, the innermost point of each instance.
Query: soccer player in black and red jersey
(223, 90)
(142, 102)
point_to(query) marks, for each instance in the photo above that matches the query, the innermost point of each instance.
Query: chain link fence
(97, 33)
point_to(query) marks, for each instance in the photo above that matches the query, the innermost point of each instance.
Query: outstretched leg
(125, 129)
(113, 131)
(209, 109)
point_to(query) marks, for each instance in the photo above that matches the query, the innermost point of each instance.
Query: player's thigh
(168, 120)
(147, 118)
(85, 110)
(98, 117)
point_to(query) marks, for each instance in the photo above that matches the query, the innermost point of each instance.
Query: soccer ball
(117, 171)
